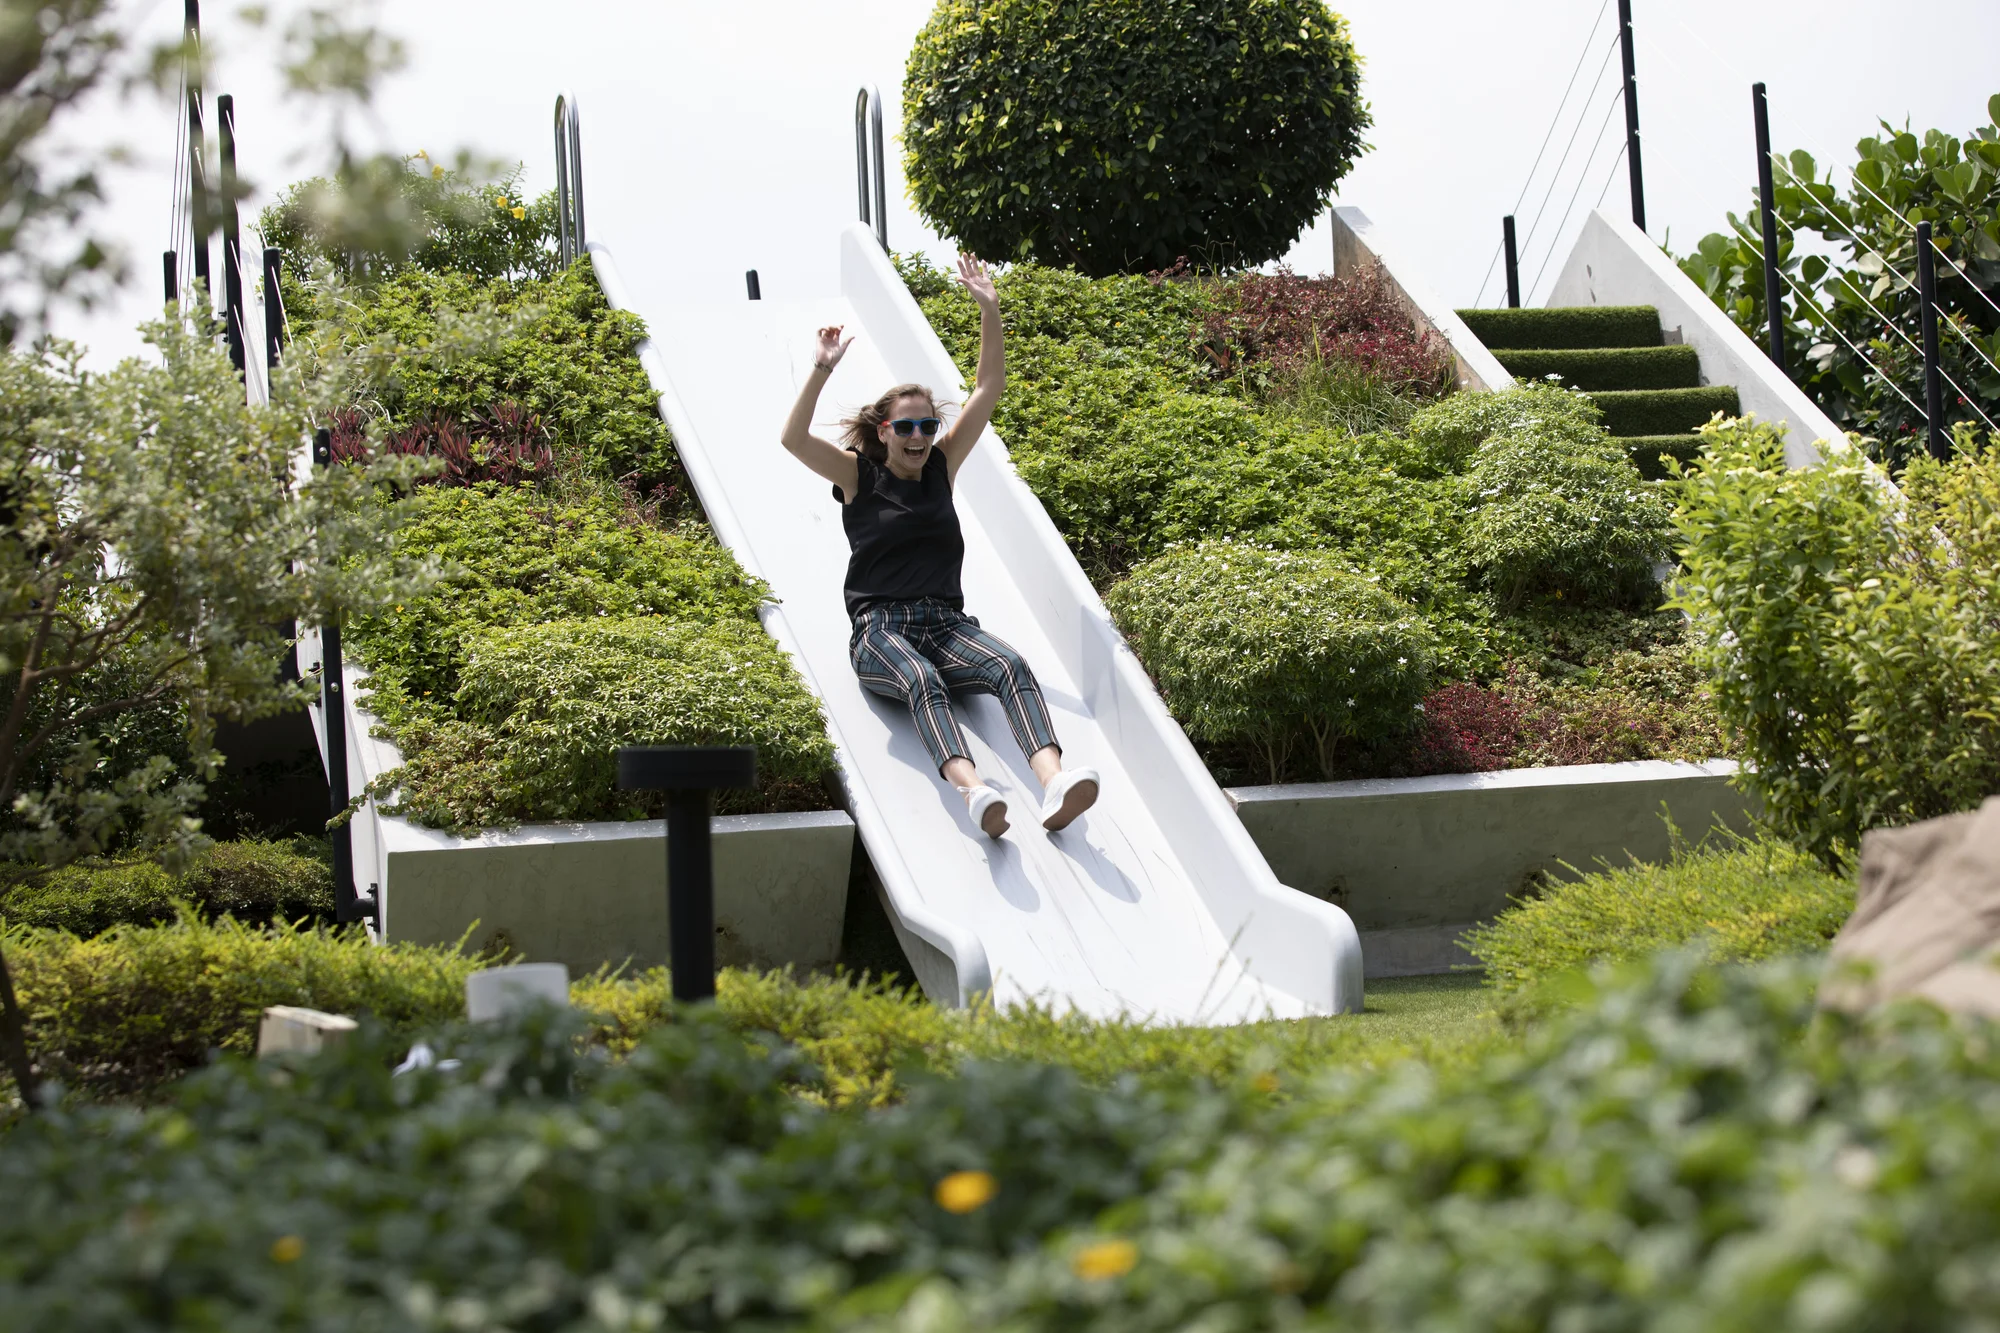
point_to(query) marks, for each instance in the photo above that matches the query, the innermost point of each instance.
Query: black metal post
(232, 242)
(170, 267)
(348, 905)
(1940, 438)
(197, 173)
(1513, 263)
(274, 307)
(1774, 301)
(1631, 116)
(873, 185)
(750, 281)
(688, 774)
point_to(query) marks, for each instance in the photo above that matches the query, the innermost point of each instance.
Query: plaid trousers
(919, 652)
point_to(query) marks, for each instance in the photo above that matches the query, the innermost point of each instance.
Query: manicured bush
(1119, 137)
(1279, 649)
(1689, 1148)
(1594, 368)
(1849, 633)
(1745, 900)
(1566, 516)
(1566, 326)
(541, 711)
(1284, 322)
(254, 881)
(1649, 453)
(1665, 411)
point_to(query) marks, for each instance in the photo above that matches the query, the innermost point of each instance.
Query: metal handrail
(867, 124)
(570, 239)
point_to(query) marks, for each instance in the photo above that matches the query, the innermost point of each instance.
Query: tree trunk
(14, 1036)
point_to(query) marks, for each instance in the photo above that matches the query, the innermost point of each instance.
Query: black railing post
(1774, 302)
(1631, 115)
(1513, 263)
(348, 905)
(170, 269)
(232, 242)
(1940, 438)
(688, 774)
(873, 186)
(274, 308)
(755, 288)
(197, 174)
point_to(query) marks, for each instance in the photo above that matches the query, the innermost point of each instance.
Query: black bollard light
(750, 281)
(688, 774)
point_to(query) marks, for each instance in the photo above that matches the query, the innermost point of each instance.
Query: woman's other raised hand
(972, 273)
(832, 347)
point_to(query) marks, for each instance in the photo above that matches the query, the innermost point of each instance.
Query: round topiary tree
(1121, 135)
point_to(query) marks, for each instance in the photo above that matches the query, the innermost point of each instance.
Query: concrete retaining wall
(1415, 861)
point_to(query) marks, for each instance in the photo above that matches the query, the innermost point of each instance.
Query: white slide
(1156, 904)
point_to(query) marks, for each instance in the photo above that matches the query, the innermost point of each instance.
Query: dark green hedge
(1665, 411)
(1650, 452)
(1675, 367)
(254, 881)
(1692, 1148)
(1566, 326)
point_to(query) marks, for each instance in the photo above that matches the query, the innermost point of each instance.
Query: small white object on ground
(498, 991)
(289, 1028)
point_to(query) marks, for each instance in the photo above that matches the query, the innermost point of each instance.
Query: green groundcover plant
(1121, 136)
(562, 630)
(1690, 1147)
(1848, 629)
(252, 880)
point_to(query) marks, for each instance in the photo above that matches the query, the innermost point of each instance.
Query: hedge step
(1650, 452)
(1566, 326)
(1665, 411)
(1599, 368)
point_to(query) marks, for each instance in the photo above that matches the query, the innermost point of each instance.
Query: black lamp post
(688, 774)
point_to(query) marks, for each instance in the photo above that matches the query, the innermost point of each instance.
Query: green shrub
(1276, 648)
(1566, 326)
(1689, 1149)
(1088, 136)
(1745, 901)
(571, 360)
(1665, 411)
(1591, 368)
(1849, 635)
(1566, 518)
(254, 881)
(541, 711)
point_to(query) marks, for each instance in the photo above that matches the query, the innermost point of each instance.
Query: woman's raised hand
(831, 347)
(972, 273)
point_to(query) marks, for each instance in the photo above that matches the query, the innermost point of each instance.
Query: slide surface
(1156, 904)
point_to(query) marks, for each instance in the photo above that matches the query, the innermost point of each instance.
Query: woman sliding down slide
(912, 639)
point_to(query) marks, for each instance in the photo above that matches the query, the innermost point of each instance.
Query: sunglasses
(908, 426)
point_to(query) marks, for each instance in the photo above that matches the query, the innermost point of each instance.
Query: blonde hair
(860, 431)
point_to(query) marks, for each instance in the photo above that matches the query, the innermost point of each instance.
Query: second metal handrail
(867, 126)
(570, 239)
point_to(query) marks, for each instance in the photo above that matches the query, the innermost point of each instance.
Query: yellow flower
(1265, 1082)
(1105, 1259)
(437, 173)
(520, 213)
(287, 1249)
(499, 201)
(964, 1191)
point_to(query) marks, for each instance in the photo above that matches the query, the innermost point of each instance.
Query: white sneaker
(989, 810)
(1073, 792)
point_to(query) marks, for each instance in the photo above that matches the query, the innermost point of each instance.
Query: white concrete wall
(1415, 861)
(1614, 263)
(1357, 242)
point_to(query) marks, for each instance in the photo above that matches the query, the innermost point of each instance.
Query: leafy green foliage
(1850, 637)
(1865, 295)
(1089, 136)
(560, 352)
(1744, 900)
(458, 224)
(1266, 646)
(541, 711)
(1688, 1147)
(254, 881)
(561, 631)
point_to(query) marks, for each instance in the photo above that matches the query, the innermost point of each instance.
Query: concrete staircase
(1651, 392)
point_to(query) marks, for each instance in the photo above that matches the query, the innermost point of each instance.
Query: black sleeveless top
(904, 536)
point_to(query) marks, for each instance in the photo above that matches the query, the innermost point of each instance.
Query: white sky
(719, 138)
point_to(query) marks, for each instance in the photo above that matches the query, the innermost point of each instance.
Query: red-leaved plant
(507, 444)
(1286, 322)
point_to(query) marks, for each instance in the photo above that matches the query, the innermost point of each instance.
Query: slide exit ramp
(1156, 904)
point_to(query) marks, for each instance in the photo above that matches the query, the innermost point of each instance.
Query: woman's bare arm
(823, 456)
(991, 377)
